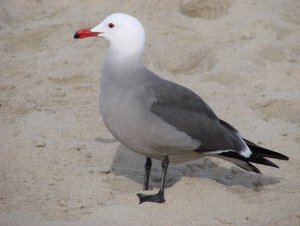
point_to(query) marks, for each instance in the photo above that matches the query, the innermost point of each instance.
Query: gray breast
(126, 113)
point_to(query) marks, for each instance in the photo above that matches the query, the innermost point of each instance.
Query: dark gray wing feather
(186, 111)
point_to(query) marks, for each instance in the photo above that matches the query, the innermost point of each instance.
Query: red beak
(84, 33)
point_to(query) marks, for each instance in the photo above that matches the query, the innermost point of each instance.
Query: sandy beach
(59, 165)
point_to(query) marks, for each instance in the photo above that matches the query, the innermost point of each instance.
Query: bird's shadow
(131, 165)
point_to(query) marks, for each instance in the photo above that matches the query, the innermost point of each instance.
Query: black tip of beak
(76, 35)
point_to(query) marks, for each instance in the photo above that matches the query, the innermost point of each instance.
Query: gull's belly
(131, 123)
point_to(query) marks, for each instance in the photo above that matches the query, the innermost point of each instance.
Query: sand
(60, 165)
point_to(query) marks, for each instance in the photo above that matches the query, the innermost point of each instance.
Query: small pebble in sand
(39, 143)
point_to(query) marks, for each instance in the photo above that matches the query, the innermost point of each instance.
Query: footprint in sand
(291, 12)
(71, 80)
(205, 9)
(281, 32)
(224, 78)
(29, 39)
(276, 53)
(189, 61)
(271, 53)
(5, 17)
(286, 110)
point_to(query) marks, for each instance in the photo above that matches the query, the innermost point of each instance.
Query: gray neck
(121, 69)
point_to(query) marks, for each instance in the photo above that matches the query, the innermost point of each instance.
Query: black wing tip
(254, 169)
(284, 157)
(253, 159)
(265, 152)
(268, 163)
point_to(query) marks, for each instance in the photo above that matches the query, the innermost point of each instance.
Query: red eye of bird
(111, 25)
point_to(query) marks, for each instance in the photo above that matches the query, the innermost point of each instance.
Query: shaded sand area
(60, 165)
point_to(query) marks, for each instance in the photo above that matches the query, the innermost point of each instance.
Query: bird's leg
(148, 166)
(159, 197)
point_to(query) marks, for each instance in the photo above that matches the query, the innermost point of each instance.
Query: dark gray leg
(159, 197)
(148, 166)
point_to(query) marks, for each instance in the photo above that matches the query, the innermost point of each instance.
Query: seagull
(157, 118)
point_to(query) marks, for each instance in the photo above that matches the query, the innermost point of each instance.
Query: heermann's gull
(158, 118)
